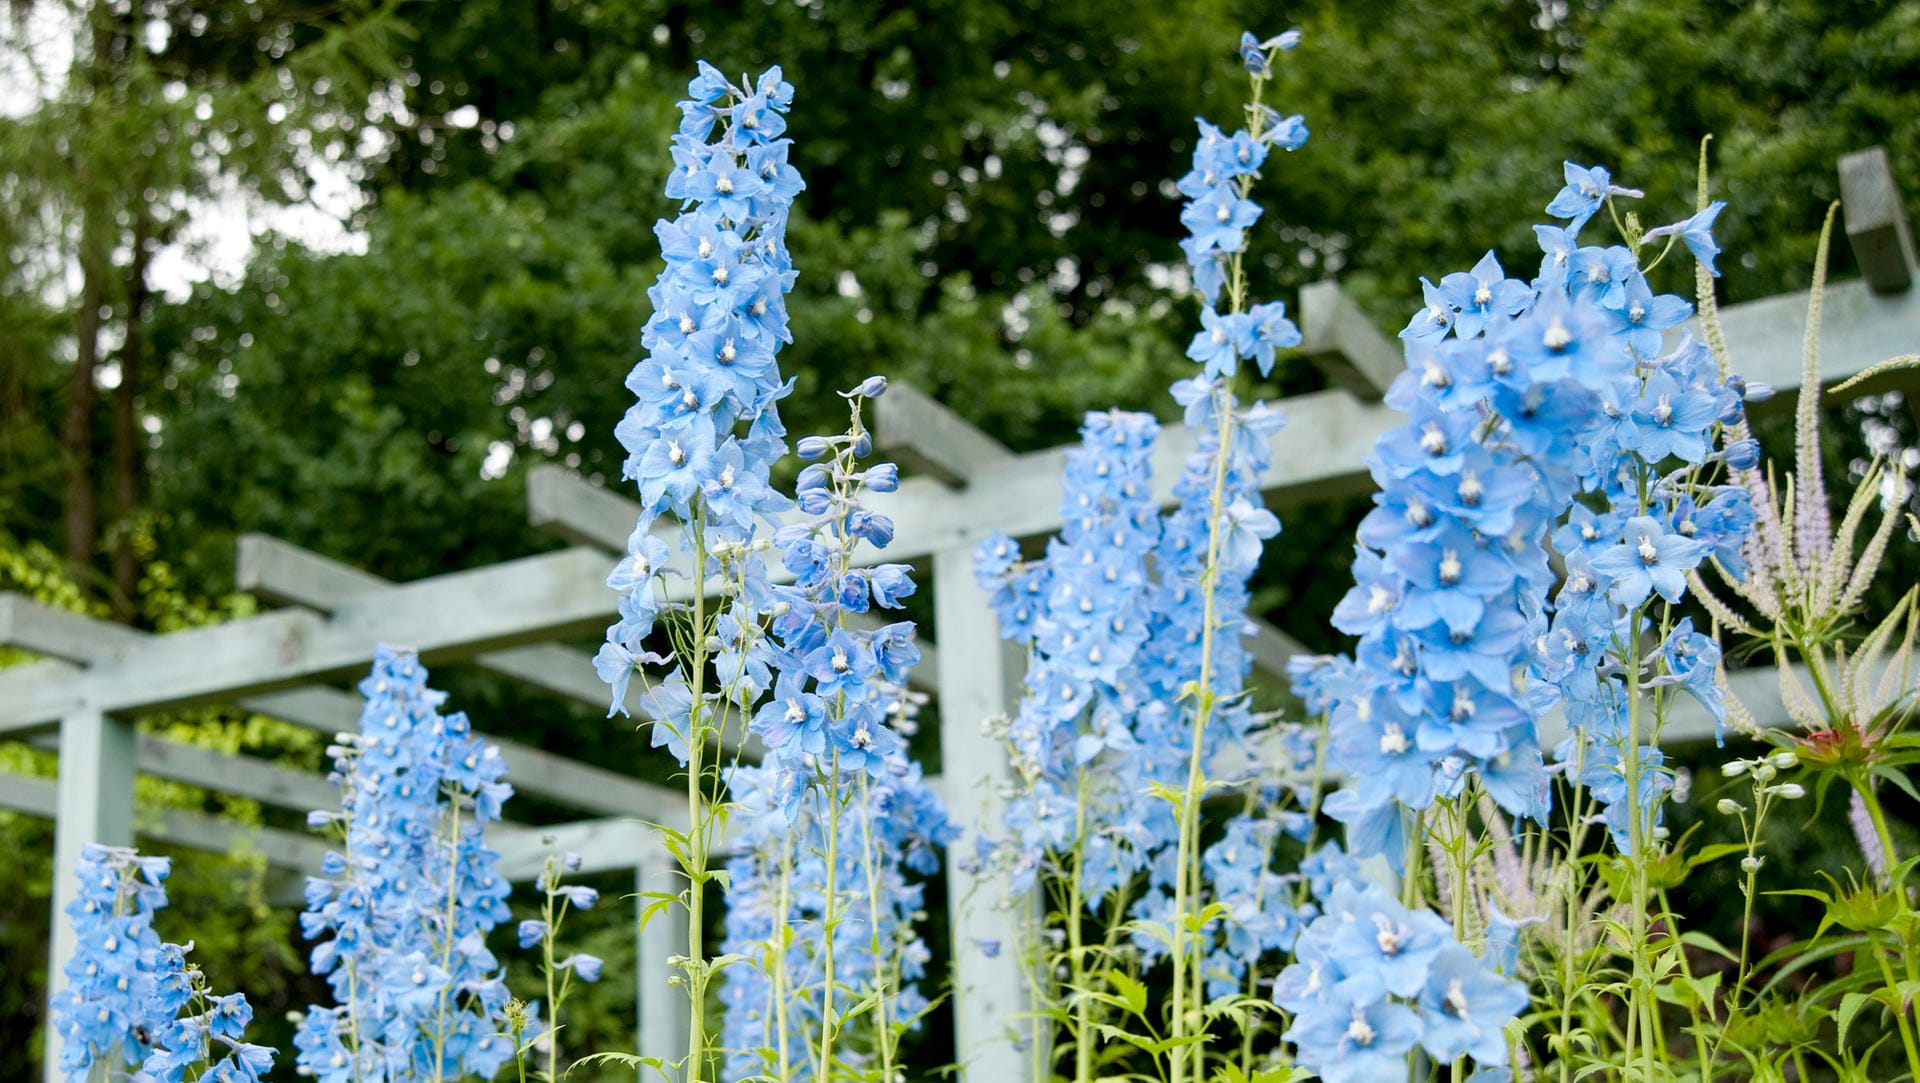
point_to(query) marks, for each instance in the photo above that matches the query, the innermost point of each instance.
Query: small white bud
(1751, 865)
(1735, 768)
(1764, 772)
(1790, 791)
(1729, 807)
(1784, 759)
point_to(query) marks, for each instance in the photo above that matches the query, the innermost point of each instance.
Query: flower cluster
(1260, 918)
(403, 910)
(1522, 397)
(133, 1000)
(704, 428)
(779, 881)
(1373, 979)
(1081, 611)
(1647, 516)
(834, 682)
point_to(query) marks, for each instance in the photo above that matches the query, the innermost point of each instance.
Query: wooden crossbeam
(44, 629)
(34, 796)
(1343, 342)
(288, 574)
(448, 617)
(922, 434)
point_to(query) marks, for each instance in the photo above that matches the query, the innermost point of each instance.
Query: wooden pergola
(513, 619)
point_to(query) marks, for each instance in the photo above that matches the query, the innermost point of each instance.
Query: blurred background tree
(989, 215)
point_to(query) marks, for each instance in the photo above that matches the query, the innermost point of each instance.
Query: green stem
(699, 812)
(1900, 1014)
(829, 920)
(883, 1029)
(779, 957)
(1076, 949)
(1196, 756)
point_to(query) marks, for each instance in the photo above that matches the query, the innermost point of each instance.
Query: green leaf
(1850, 1006)
(1133, 994)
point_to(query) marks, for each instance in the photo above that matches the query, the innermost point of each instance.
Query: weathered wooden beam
(446, 618)
(920, 432)
(603, 845)
(286, 850)
(41, 628)
(286, 573)
(1343, 342)
(662, 1012)
(1876, 220)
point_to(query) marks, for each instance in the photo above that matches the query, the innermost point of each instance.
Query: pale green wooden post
(95, 805)
(662, 1013)
(977, 672)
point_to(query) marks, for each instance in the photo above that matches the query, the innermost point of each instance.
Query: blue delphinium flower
(704, 428)
(836, 777)
(1072, 733)
(132, 1000)
(1559, 392)
(889, 846)
(403, 909)
(833, 682)
(1372, 979)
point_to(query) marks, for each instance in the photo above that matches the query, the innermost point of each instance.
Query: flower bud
(1729, 807)
(872, 387)
(1735, 768)
(883, 477)
(1751, 864)
(1764, 772)
(1789, 791)
(1784, 759)
(811, 447)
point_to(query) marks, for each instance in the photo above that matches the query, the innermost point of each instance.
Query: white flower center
(1450, 567)
(1360, 1030)
(1648, 554)
(1433, 439)
(840, 662)
(675, 453)
(1394, 741)
(1456, 998)
(1483, 295)
(1470, 488)
(1557, 337)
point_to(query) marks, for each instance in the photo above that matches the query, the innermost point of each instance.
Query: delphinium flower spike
(817, 858)
(701, 436)
(133, 1001)
(403, 909)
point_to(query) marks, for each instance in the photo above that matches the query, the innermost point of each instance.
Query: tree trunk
(126, 424)
(78, 435)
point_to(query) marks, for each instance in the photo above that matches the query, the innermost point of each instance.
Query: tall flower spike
(403, 909)
(133, 1001)
(1082, 612)
(704, 428)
